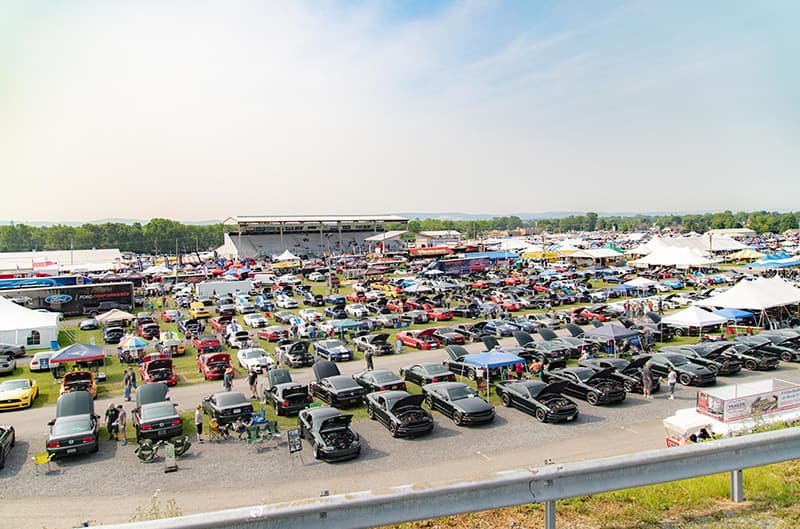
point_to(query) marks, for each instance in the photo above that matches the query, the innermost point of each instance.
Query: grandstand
(304, 236)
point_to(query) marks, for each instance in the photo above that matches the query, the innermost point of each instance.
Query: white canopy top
(287, 256)
(13, 317)
(694, 317)
(760, 294)
(674, 257)
(641, 282)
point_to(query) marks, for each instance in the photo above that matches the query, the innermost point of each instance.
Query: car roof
(445, 385)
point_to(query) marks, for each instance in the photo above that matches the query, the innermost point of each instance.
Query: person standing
(122, 422)
(647, 382)
(126, 384)
(227, 379)
(198, 423)
(672, 379)
(111, 421)
(252, 381)
(368, 359)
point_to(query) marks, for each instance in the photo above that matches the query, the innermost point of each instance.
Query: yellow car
(18, 393)
(79, 381)
(198, 310)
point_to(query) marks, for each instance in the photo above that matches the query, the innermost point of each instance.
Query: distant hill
(45, 223)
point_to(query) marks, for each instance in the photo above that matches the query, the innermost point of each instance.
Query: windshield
(254, 353)
(71, 425)
(231, 399)
(435, 369)
(11, 385)
(380, 378)
(584, 374)
(157, 411)
(330, 344)
(462, 392)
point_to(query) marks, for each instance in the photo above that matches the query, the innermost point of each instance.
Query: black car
(113, 335)
(594, 387)
(377, 343)
(283, 393)
(459, 402)
(17, 351)
(335, 312)
(328, 431)
(313, 300)
(543, 401)
(334, 388)
(74, 429)
(689, 374)
(154, 416)
(400, 412)
(284, 316)
(295, 354)
(426, 373)
(786, 354)
(456, 364)
(628, 372)
(552, 354)
(788, 345)
(574, 346)
(227, 407)
(8, 438)
(752, 357)
(720, 366)
(379, 380)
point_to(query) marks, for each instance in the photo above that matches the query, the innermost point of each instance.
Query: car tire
(393, 430)
(678, 332)
(628, 385)
(786, 356)
(458, 418)
(592, 398)
(471, 374)
(370, 412)
(317, 451)
(714, 369)
(685, 379)
(429, 402)
(540, 415)
(750, 364)
(506, 400)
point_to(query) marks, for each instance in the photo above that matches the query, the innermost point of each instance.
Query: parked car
(274, 333)
(378, 344)
(254, 359)
(295, 354)
(458, 402)
(500, 328)
(333, 388)
(629, 371)
(423, 340)
(213, 365)
(400, 412)
(256, 320)
(227, 407)
(542, 320)
(113, 335)
(456, 364)
(89, 324)
(379, 380)
(285, 395)
(334, 350)
(426, 373)
(328, 431)
(74, 429)
(18, 393)
(154, 416)
(158, 368)
(8, 438)
(689, 374)
(285, 302)
(723, 366)
(240, 339)
(7, 364)
(207, 343)
(41, 361)
(594, 387)
(78, 381)
(749, 359)
(170, 315)
(543, 401)
(198, 311)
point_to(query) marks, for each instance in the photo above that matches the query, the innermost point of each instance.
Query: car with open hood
(295, 354)
(426, 373)
(285, 395)
(254, 359)
(378, 344)
(720, 366)
(154, 416)
(400, 412)
(74, 429)
(113, 335)
(379, 380)
(78, 381)
(544, 401)
(333, 388)
(689, 374)
(628, 372)
(595, 387)
(751, 357)
(18, 393)
(158, 368)
(758, 345)
(328, 430)
(551, 354)
(448, 336)
(423, 339)
(459, 402)
(779, 342)
(227, 407)
(213, 365)
(207, 343)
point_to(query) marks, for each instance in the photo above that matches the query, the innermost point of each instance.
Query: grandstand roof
(312, 219)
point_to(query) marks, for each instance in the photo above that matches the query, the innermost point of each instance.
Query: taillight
(383, 388)
(52, 444)
(87, 439)
(403, 386)
(435, 379)
(175, 422)
(285, 404)
(147, 427)
(309, 399)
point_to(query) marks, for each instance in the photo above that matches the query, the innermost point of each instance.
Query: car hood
(547, 334)
(292, 388)
(412, 400)
(325, 369)
(216, 357)
(158, 364)
(279, 376)
(426, 333)
(13, 393)
(637, 363)
(605, 373)
(472, 404)
(456, 352)
(338, 422)
(523, 338)
(555, 388)
(378, 338)
(490, 342)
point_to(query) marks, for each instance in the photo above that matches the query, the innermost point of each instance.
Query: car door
(381, 413)
(574, 384)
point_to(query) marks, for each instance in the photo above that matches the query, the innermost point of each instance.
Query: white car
(357, 310)
(310, 315)
(41, 361)
(285, 302)
(316, 276)
(240, 340)
(288, 279)
(256, 320)
(245, 307)
(255, 359)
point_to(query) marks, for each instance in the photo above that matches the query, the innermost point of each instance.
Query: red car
(148, 330)
(595, 312)
(395, 305)
(423, 339)
(274, 333)
(170, 315)
(207, 343)
(511, 281)
(158, 368)
(220, 323)
(356, 297)
(213, 365)
(437, 313)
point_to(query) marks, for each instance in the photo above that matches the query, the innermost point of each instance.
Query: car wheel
(317, 451)
(750, 364)
(592, 399)
(786, 356)
(628, 385)
(393, 429)
(13, 439)
(540, 415)
(370, 412)
(429, 402)
(678, 332)
(685, 379)
(458, 418)
(506, 400)
(471, 374)
(714, 369)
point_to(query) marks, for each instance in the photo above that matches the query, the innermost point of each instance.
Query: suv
(74, 429)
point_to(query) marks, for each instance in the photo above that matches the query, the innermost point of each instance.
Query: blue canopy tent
(493, 360)
(734, 314)
(86, 356)
(611, 332)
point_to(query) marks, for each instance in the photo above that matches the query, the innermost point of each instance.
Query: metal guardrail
(517, 487)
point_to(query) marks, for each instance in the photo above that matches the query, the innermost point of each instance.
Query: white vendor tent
(287, 256)
(694, 317)
(640, 282)
(21, 326)
(760, 294)
(681, 257)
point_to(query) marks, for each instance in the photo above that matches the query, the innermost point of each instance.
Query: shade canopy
(493, 359)
(694, 317)
(611, 331)
(734, 314)
(77, 352)
(115, 315)
(760, 294)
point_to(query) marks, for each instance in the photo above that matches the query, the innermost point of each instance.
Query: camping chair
(214, 432)
(255, 437)
(41, 459)
(271, 433)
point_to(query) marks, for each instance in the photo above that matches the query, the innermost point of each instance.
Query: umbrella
(133, 342)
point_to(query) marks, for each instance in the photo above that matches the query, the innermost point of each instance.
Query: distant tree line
(157, 236)
(163, 235)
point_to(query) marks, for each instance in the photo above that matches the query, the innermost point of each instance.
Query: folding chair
(271, 433)
(214, 432)
(41, 459)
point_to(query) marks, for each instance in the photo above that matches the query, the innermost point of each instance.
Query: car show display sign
(745, 401)
(295, 442)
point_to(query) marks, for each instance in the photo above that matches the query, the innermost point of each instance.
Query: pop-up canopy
(77, 352)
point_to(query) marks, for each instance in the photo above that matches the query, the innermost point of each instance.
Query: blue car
(500, 327)
(336, 300)
(333, 350)
(265, 305)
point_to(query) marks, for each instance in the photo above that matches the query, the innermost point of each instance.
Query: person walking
(672, 379)
(122, 422)
(198, 423)
(647, 382)
(368, 359)
(111, 421)
(127, 384)
(227, 379)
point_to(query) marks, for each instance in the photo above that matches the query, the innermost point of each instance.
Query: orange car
(79, 381)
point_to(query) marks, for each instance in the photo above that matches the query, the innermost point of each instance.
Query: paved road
(112, 484)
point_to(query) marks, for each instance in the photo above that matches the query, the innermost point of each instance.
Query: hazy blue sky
(199, 110)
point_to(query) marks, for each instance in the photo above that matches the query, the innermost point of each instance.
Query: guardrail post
(550, 514)
(737, 486)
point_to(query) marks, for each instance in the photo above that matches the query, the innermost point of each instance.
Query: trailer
(208, 289)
